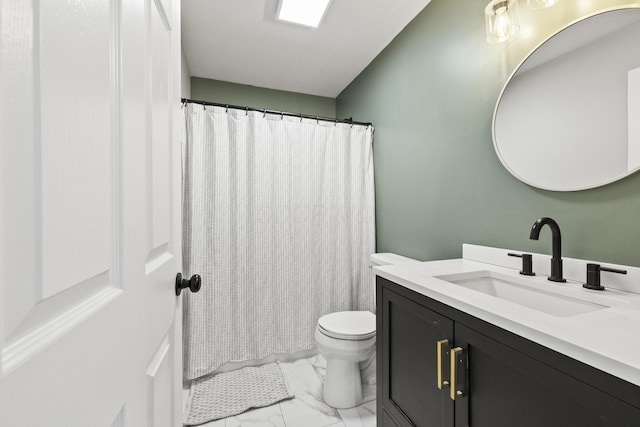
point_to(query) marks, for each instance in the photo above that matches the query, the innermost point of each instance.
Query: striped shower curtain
(278, 218)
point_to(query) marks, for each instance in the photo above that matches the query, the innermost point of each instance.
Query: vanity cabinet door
(407, 363)
(508, 388)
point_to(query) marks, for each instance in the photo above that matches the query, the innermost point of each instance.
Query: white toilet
(346, 340)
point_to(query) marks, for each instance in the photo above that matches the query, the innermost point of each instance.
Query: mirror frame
(512, 75)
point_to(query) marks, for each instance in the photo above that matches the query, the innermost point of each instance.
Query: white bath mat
(232, 393)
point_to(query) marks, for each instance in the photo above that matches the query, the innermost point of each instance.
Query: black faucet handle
(593, 276)
(613, 270)
(527, 263)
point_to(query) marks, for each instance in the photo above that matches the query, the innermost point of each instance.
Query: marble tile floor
(306, 409)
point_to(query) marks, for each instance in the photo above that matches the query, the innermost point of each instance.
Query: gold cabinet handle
(441, 353)
(455, 353)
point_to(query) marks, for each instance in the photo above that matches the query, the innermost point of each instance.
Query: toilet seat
(348, 325)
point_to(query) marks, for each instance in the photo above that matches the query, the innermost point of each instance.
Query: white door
(90, 213)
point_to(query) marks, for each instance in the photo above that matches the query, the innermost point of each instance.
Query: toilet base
(342, 384)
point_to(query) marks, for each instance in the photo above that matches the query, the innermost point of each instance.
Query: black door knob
(193, 284)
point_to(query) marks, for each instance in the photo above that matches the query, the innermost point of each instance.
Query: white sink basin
(532, 293)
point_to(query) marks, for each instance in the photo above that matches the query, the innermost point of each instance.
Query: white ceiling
(241, 41)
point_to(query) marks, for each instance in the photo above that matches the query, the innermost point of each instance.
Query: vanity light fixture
(304, 12)
(501, 19)
(541, 4)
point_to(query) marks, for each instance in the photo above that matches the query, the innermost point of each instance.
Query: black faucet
(556, 250)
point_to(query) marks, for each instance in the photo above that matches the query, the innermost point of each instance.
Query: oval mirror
(568, 118)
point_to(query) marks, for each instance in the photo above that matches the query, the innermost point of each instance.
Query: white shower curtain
(279, 222)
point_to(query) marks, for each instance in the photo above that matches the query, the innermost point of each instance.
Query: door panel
(160, 135)
(71, 217)
(76, 199)
(90, 192)
(159, 386)
(510, 388)
(409, 361)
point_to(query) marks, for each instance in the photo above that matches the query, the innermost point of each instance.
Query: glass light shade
(541, 4)
(501, 19)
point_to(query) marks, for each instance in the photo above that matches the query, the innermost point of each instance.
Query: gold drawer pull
(441, 353)
(455, 353)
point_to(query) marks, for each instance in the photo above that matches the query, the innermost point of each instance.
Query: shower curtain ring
(246, 111)
(226, 109)
(264, 112)
(317, 120)
(281, 115)
(300, 117)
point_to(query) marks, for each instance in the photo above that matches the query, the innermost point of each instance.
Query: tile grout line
(282, 413)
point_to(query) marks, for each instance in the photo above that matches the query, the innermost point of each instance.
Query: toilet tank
(386, 259)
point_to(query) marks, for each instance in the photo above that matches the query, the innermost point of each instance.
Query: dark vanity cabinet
(498, 379)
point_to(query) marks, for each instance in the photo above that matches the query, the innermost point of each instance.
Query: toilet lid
(348, 325)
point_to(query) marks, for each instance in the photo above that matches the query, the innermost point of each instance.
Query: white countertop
(607, 339)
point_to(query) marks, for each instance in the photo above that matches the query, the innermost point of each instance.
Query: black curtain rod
(279, 113)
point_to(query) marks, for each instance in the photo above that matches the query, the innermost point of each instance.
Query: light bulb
(541, 4)
(501, 19)
(502, 24)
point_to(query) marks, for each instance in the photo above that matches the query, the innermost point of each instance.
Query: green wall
(258, 97)
(430, 95)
